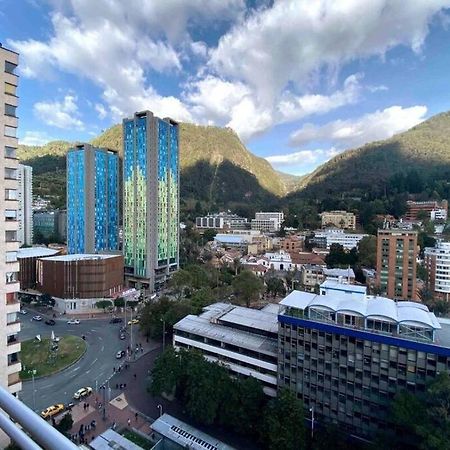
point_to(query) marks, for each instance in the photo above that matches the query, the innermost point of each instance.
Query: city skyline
(297, 92)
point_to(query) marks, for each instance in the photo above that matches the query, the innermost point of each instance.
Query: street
(94, 368)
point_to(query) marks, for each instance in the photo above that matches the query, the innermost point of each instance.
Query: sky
(300, 81)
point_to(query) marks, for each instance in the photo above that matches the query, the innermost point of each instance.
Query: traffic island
(45, 357)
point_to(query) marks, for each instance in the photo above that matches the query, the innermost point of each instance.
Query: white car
(37, 318)
(73, 322)
(23, 311)
(83, 392)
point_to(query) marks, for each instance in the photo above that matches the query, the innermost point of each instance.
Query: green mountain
(416, 159)
(217, 171)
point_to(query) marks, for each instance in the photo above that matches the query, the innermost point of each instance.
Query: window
(11, 277)
(11, 257)
(10, 131)
(10, 152)
(10, 215)
(10, 174)
(10, 236)
(11, 194)
(10, 110)
(10, 67)
(10, 89)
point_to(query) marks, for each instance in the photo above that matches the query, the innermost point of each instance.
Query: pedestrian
(129, 422)
(135, 416)
(117, 385)
(114, 370)
(142, 349)
(125, 385)
(134, 376)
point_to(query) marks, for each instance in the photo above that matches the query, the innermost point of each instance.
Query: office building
(396, 263)
(326, 238)
(77, 282)
(221, 221)
(432, 209)
(10, 365)
(437, 263)
(242, 339)
(267, 221)
(25, 212)
(51, 224)
(27, 258)
(150, 200)
(347, 354)
(338, 219)
(92, 200)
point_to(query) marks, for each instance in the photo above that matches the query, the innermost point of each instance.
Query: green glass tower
(150, 200)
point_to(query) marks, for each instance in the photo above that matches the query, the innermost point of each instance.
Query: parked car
(120, 354)
(133, 322)
(73, 322)
(83, 392)
(37, 318)
(52, 411)
(23, 311)
(116, 320)
(50, 322)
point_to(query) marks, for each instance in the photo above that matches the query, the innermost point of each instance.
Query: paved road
(96, 365)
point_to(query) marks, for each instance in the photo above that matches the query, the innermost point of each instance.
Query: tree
(200, 277)
(367, 251)
(201, 298)
(247, 286)
(166, 372)
(119, 302)
(180, 281)
(103, 304)
(209, 234)
(283, 422)
(339, 257)
(46, 299)
(275, 286)
(65, 424)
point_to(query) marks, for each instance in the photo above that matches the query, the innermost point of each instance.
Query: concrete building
(437, 263)
(25, 213)
(292, 243)
(221, 221)
(92, 200)
(78, 282)
(242, 339)
(150, 200)
(396, 263)
(347, 354)
(267, 221)
(338, 219)
(27, 258)
(10, 365)
(326, 238)
(432, 209)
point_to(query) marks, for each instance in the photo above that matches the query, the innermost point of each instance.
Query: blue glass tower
(92, 200)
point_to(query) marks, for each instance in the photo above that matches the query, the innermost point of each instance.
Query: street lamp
(33, 373)
(164, 332)
(160, 409)
(312, 421)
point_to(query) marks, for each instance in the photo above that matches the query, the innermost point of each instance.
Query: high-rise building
(437, 263)
(396, 263)
(9, 267)
(347, 354)
(92, 200)
(25, 213)
(150, 199)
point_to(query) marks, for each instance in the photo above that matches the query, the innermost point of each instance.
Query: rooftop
(185, 435)
(263, 320)
(36, 252)
(81, 257)
(230, 239)
(110, 439)
(333, 285)
(339, 272)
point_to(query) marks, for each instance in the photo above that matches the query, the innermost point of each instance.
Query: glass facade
(150, 233)
(92, 200)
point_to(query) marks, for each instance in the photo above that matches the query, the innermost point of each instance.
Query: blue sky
(299, 81)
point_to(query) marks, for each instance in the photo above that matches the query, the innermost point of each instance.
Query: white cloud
(303, 161)
(35, 138)
(62, 114)
(102, 113)
(370, 127)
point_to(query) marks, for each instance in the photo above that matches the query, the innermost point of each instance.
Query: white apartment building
(221, 221)
(25, 212)
(242, 339)
(437, 263)
(267, 221)
(327, 238)
(338, 219)
(10, 365)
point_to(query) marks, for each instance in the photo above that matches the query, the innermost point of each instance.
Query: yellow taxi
(52, 410)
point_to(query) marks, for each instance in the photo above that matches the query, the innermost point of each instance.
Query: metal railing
(35, 431)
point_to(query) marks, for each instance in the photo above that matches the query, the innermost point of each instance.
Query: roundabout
(46, 357)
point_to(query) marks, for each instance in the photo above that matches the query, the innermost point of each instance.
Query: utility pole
(33, 372)
(164, 333)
